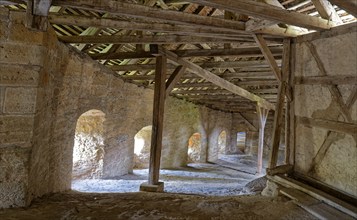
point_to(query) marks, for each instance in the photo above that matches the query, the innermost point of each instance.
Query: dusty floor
(155, 206)
(216, 186)
(227, 177)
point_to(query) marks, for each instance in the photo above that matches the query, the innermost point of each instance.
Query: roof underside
(118, 35)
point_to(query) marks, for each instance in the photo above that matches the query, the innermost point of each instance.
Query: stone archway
(142, 144)
(88, 149)
(194, 148)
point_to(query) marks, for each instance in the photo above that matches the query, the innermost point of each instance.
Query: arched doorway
(142, 144)
(241, 136)
(88, 149)
(194, 148)
(222, 142)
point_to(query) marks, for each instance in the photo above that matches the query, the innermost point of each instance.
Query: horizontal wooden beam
(216, 79)
(85, 21)
(239, 52)
(327, 80)
(282, 169)
(157, 39)
(337, 126)
(265, 11)
(145, 12)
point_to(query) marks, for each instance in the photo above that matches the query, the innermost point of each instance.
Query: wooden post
(262, 118)
(153, 184)
(278, 116)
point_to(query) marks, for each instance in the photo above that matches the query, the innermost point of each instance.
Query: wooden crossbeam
(145, 12)
(265, 11)
(85, 21)
(268, 55)
(327, 80)
(238, 52)
(205, 74)
(337, 126)
(327, 11)
(157, 39)
(174, 78)
(348, 5)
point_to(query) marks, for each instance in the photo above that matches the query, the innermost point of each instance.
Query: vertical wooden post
(287, 134)
(153, 184)
(278, 116)
(262, 118)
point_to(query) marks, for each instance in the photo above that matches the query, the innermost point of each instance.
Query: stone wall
(338, 52)
(45, 86)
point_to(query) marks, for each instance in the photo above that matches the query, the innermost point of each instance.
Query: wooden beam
(37, 12)
(265, 11)
(239, 52)
(213, 78)
(283, 169)
(262, 118)
(145, 12)
(268, 55)
(348, 5)
(327, 80)
(158, 119)
(183, 29)
(337, 126)
(174, 78)
(335, 93)
(327, 11)
(279, 108)
(157, 39)
(247, 122)
(137, 67)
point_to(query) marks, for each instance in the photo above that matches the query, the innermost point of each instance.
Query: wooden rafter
(265, 11)
(348, 5)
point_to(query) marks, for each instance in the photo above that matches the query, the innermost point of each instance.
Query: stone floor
(163, 206)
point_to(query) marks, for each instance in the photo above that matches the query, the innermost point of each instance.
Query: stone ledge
(146, 187)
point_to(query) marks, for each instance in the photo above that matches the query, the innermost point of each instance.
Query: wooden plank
(262, 118)
(213, 78)
(174, 78)
(265, 11)
(314, 206)
(237, 52)
(317, 194)
(348, 5)
(145, 12)
(278, 116)
(158, 119)
(148, 39)
(283, 169)
(327, 80)
(248, 123)
(268, 55)
(85, 21)
(337, 126)
(327, 11)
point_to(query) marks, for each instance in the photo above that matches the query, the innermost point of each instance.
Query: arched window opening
(142, 144)
(88, 149)
(194, 148)
(241, 136)
(222, 142)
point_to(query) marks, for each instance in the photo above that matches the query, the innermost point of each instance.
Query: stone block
(18, 75)
(12, 195)
(18, 31)
(20, 100)
(15, 53)
(16, 123)
(146, 187)
(17, 137)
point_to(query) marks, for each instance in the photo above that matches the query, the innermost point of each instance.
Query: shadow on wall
(88, 150)
(194, 148)
(142, 145)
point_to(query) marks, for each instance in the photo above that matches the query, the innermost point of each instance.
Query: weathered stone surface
(16, 123)
(11, 75)
(16, 53)
(20, 100)
(17, 137)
